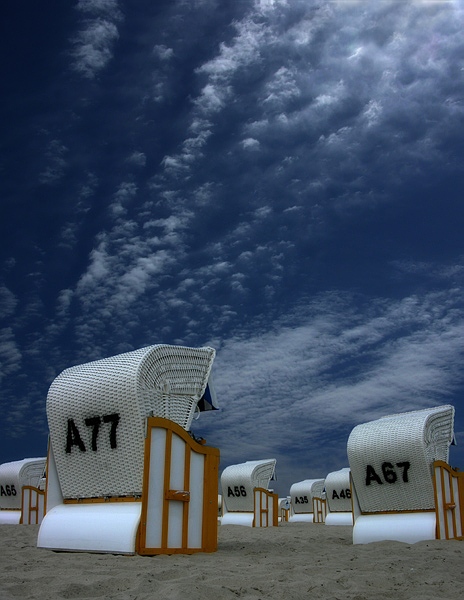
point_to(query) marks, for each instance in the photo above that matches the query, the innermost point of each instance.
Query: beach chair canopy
(302, 494)
(97, 411)
(14, 475)
(391, 459)
(337, 490)
(239, 481)
(284, 503)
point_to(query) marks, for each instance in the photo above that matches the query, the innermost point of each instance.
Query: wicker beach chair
(338, 493)
(98, 414)
(302, 495)
(391, 461)
(238, 483)
(14, 476)
(284, 509)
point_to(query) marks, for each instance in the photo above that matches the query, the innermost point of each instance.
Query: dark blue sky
(279, 179)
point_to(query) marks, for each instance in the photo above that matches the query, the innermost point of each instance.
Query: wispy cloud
(56, 163)
(94, 42)
(10, 354)
(289, 388)
(350, 102)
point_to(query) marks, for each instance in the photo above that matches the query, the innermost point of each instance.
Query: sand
(292, 561)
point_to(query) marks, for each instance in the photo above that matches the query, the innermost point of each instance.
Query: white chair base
(339, 518)
(237, 518)
(10, 517)
(403, 527)
(105, 527)
(302, 518)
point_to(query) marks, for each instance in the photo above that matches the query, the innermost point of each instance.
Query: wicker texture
(391, 459)
(13, 475)
(337, 484)
(121, 391)
(239, 481)
(302, 494)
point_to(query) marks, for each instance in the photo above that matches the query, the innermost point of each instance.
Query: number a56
(237, 491)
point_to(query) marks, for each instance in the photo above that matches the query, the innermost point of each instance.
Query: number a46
(344, 494)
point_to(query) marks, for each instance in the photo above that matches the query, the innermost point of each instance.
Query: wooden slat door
(449, 501)
(319, 510)
(32, 505)
(265, 508)
(180, 492)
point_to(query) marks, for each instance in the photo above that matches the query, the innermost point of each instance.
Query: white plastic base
(109, 527)
(10, 517)
(236, 518)
(339, 518)
(302, 518)
(404, 527)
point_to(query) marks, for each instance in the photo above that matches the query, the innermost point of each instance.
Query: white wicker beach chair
(124, 473)
(302, 494)
(338, 493)
(284, 509)
(238, 483)
(13, 477)
(96, 414)
(391, 462)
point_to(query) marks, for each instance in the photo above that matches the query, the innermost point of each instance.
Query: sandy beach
(291, 561)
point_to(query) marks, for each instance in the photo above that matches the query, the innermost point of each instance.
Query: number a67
(390, 473)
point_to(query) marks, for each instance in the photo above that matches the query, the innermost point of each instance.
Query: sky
(278, 179)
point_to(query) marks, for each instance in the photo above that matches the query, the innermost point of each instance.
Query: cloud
(347, 103)
(93, 47)
(93, 44)
(64, 302)
(123, 196)
(10, 355)
(250, 143)
(8, 302)
(288, 387)
(98, 7)
(434, 271)
(282, 88)
(138, 159)
(10, 352)
(163, 52)
(244, 50)
(55, 156)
